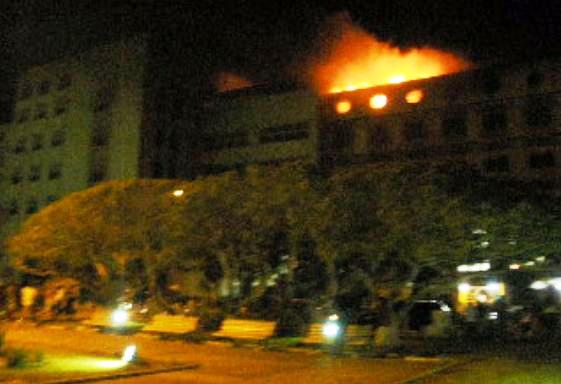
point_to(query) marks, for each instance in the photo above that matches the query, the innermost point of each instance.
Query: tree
(96, 233)
(248, 227)
(394, 232)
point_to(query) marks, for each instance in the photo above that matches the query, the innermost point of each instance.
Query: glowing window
(415, 96)
(378, 101)
(343, 106)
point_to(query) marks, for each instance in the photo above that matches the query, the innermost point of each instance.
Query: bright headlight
(331, 329)
(119, 317)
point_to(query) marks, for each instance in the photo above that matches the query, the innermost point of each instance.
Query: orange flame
(228, 81)
(357, 60)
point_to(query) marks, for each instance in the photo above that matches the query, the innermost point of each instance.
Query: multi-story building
(77, 121)
(504, 120)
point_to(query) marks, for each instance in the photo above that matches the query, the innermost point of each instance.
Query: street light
(178, 192)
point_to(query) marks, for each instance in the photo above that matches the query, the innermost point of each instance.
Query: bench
(101, 318)
(176, 324)
(245, 329)
(355, 335)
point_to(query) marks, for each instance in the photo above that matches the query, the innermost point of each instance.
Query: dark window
(103, 99)
(65, 81)
(20, 146)
(100, 133)
(16, 177)
(55, 171)
(539, 113)
(454, 127)
(96, 175)
(14, 208)
(34, 173)
(60, 106)
(284, 133)
(32, 207)
(379, 138)
(225, 141)
(22, 116)
(44, 87)
(51, 199)
(494, 122)
(58, 138)
(490, 82)
(534, 79)
(26, 89)
(36, 142)
(415, 131)
(542, 160)
(497, 164)
(41, 111)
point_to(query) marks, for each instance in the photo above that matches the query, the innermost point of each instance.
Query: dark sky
(262, 39)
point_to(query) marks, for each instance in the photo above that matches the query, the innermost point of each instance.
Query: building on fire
(504, 120)
(85, 119)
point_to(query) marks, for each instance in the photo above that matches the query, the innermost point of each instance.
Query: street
(219, 362)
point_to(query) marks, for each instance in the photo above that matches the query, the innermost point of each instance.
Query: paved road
(221, 363)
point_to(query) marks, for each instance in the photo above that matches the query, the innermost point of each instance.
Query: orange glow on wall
(415, 96)
(378, 101)
(343, 107)
(353, 59)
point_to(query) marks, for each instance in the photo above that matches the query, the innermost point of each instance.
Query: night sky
(266, 42)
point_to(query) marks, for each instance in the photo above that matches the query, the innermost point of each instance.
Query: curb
(124, 375)
(454, 364)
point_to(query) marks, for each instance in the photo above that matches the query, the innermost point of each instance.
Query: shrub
(17, 358)
(210, 320)
(294, 320)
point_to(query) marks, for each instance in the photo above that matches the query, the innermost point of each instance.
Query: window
(103, 99)
(379, 138)
(14, 208)
(22, 115)
(539, 113)
(96, 175)
(64, 81)
(60, 106)
(34, 173)
(16, 177)
(36, 142)
(542, 160)
(31, 207)
(101, 130)
(490, 82)
(534, 79)
(20, 145)
(41, 111)
(284, 133)
(225, 141)
(497, 164)
(494, 122)
(55, 171)
(58, 138)
(454, 127)
(44, 87)
(51, 199)
(26, 90)
(415, 131)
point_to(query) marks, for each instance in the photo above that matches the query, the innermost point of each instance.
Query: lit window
(343, 107)
(378, 101)
(415, 96)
